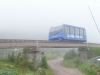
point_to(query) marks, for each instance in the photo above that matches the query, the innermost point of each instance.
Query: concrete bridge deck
(11, 43)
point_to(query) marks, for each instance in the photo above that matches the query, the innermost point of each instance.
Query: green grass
(87, 68)
(69, 63)
(72, 63)
(49, 71)
(90, 67)
(8, 68)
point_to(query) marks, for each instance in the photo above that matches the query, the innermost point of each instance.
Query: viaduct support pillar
(42, 54)
(33, 51)
(83, 53)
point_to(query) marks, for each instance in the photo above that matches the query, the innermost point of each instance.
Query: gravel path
(58, 69)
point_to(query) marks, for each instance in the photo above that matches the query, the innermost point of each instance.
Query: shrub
(11, 58)
(32, 67)
(44, 63)
(24, 63)
(42, 72)
(70, 55)
(8, 72)
(25, 52)
(93, 52)
(88, 69)
(77, 61)
(18, 58)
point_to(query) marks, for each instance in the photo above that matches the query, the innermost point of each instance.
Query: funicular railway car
(67, 32)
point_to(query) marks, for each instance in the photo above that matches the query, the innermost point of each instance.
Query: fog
(32, 19)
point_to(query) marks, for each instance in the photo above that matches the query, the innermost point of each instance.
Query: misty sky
(32, 19)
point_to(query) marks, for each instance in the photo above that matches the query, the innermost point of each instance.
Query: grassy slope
(87, 68)
(68, 63)
(13, 69)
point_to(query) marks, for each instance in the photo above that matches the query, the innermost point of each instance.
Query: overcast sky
(32, 19)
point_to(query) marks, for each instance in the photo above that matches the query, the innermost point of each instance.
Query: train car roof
(72, 26)
(68, 25)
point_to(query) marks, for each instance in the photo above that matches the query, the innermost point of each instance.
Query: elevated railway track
(10, 43)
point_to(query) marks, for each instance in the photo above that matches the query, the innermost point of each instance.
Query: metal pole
(94, 19)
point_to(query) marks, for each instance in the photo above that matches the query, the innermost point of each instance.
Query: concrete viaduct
(36, 44)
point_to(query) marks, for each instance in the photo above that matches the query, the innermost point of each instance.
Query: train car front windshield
(55, 30)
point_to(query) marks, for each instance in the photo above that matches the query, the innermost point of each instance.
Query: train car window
(72, 30)
(55, 30)
(64, 30)
(81, 32)
(67, 29)
(78, 31)
(75, 31)
(84, 33)
(59, 28)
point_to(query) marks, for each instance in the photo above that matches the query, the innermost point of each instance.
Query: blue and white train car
(67, 32)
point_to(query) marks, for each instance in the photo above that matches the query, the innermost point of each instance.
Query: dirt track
(58, 69)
